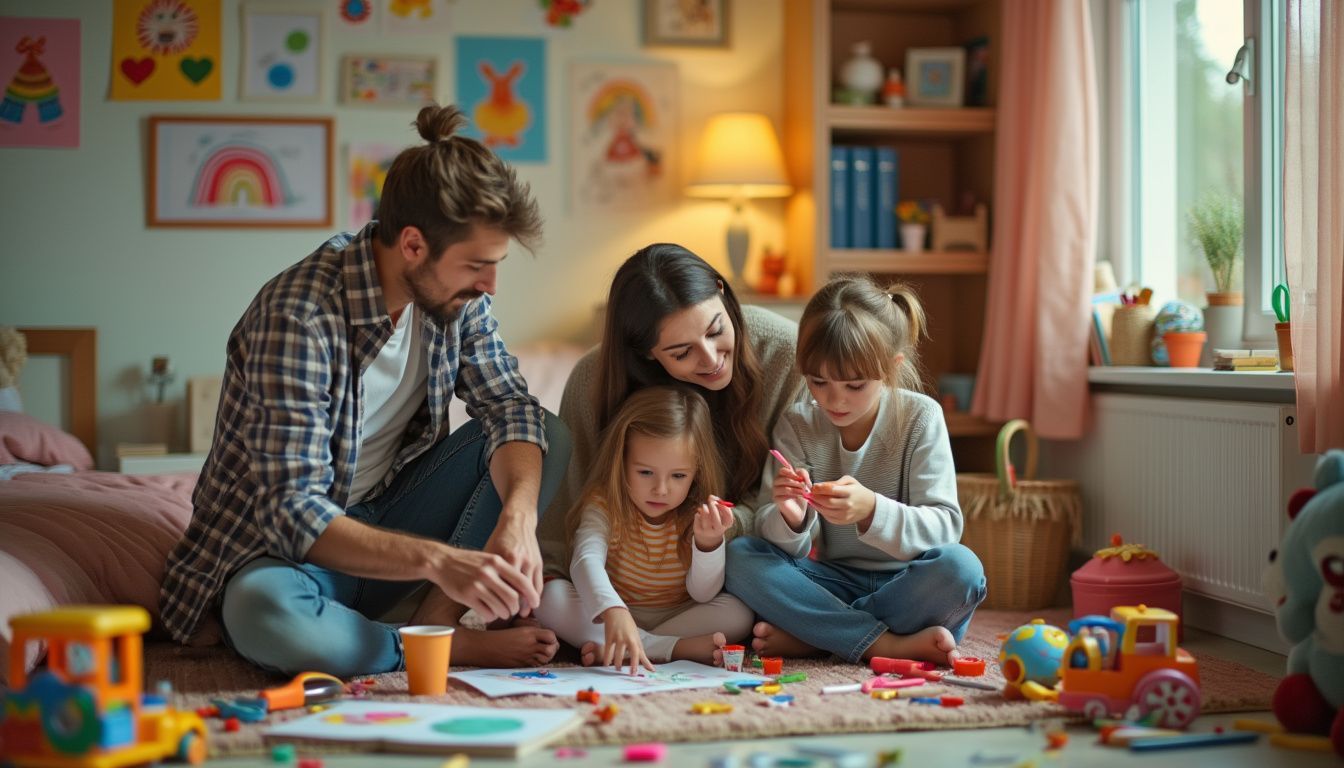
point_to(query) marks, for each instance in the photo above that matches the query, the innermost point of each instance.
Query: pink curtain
(1313, 209)
(1033, 363)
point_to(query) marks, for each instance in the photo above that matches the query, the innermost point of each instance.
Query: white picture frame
(282, 48)
(934, 76)
(391, 80)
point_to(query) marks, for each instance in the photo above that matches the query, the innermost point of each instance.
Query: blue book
(839, 197)
(861, 179)
(884, 208)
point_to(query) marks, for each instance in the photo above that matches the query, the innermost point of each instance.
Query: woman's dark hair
(656, 282)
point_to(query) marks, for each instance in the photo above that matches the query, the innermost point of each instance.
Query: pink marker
(652, 752)
(888, 682)
(785, 462)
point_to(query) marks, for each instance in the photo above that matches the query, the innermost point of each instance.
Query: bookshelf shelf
(911, 121)
(966, 425)
(903, 263)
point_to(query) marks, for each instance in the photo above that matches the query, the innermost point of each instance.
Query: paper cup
(427, 649)
(733, 656)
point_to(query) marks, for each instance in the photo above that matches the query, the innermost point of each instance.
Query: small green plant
(1216, 223)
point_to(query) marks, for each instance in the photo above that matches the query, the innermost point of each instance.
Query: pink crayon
(652, 752)
(888, 682)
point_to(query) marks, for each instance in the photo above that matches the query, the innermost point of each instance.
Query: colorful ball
(1175, 316)
(1032, 653)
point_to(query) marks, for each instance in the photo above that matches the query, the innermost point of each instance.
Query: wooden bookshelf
(903, 263)
(911, 121)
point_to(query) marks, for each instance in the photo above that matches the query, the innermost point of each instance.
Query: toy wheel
(191, 749)
(1095, 709)
(71, 722)
(1170, 696)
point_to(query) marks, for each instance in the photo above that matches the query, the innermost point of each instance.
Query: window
(1187, 138)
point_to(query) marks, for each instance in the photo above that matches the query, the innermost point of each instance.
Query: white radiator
(1202, 482)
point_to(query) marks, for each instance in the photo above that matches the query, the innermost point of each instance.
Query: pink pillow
(25, 439)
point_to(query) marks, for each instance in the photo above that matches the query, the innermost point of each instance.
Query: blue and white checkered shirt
(291, 408)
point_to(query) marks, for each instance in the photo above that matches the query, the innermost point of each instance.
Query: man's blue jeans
(293, 617)
(844, 610)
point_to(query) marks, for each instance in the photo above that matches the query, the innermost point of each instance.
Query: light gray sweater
(906, 462)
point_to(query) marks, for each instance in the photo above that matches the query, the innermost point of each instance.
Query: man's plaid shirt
(287, 433)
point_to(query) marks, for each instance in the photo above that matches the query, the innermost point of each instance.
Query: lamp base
(739, 241)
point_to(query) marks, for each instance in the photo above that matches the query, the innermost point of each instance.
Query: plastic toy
(968, 666)
(608, 713)
(710, 708)
(1030, 659)
(1307, 586)
(590, 696)
(652, 752)
(1124, 574)
(306, 689)
(1130, 661)
(87, 708)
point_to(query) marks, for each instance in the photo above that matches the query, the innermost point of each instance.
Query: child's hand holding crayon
(712, 521)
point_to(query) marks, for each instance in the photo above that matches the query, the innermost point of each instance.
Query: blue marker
(1193, 740)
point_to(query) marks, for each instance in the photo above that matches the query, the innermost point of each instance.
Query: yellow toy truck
(87, 708)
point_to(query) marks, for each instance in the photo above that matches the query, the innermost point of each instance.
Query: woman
(671, 318)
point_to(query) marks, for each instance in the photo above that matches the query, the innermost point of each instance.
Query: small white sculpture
(952, 233)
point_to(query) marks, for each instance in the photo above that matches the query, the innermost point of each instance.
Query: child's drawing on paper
(625, 120)
(366, 170)
(501, 82)
(40, 103)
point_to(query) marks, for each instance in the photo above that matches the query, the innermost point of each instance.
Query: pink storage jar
(1124, 574)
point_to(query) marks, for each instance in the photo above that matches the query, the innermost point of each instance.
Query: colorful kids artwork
(624, 134)
(366, 167)
(389, 81)
(415, 17)
(568, 681)
(39, 59)
(282, 53)
(165, 50)
(395, 726)
(501, 83)
(356, 13)
(225, 171)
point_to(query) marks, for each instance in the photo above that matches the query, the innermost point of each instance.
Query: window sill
(1269, 386)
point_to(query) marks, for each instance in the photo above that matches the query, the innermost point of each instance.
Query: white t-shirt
(395, 385)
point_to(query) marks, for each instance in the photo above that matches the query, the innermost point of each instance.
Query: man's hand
(622, 640)
(484, 582)
(845, 501)
(711, 522)
(788, 490)
(515, 540)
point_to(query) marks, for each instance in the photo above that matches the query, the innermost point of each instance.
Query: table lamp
(739, 159)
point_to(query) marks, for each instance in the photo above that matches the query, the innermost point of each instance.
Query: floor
(985, 747)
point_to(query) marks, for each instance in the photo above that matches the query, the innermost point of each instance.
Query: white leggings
(562, 611)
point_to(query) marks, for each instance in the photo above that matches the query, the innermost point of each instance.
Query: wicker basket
(1132, 335)
(1020, 529)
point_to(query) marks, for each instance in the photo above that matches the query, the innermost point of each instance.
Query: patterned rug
(199, 675)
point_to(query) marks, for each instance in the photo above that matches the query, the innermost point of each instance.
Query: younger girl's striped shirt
(648, 573)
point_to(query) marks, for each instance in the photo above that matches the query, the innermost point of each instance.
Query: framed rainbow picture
(240, 171)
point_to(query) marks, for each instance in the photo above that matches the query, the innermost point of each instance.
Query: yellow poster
(165, 50)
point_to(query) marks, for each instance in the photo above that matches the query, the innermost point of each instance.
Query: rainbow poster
(240, 172)
(501, 83)
(624, 134)
(39, 59)
(165, 50)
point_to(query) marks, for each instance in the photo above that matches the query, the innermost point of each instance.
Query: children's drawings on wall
(366, 169)
(39, 59)
(356, 13)
(416, 17)
(389, 81)
(282, 53)
(568, 681)
(165, 50)
(501, 84)
(623, 133)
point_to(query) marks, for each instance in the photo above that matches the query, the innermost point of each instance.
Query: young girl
(647, 542)
(890, 578)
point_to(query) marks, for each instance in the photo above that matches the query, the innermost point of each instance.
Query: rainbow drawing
(240, 175)
(616, 92)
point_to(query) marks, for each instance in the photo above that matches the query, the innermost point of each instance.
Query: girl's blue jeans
(844, 610)
(294, 617)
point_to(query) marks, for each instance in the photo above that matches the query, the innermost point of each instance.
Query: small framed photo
(934, 76)
(282, 52)
(701, 23)
(389, 81)
(240, 171)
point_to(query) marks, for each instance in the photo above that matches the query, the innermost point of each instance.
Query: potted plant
(1216, 224)
(914, 218)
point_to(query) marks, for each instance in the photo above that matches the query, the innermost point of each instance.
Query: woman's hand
(791, 485)
(622, 640)
(711, 522)
(845, 501)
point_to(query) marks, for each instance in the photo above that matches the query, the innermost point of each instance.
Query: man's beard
(444, 312)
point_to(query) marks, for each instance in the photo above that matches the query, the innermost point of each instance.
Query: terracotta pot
(1183, 347)
(1229, 299)
(1285, 333)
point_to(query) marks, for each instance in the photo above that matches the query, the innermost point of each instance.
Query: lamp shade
(739, 157)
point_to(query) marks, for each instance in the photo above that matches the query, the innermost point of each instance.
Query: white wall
(75, 250)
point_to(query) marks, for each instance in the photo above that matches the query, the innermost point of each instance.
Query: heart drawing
(197, 70)
(136, 70)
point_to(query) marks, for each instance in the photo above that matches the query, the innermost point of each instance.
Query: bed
(71, 534)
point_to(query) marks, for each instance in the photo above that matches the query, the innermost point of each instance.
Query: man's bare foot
(770, 640)
(933, 644)
(701, 648)
(518, 646)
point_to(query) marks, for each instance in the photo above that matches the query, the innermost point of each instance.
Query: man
(331, 491)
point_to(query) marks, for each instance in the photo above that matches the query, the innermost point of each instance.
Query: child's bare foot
(770, 640)
(701, 648)
(518, 646)
(588, 654)
(933, 644)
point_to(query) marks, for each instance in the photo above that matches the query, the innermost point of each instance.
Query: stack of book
(1245, 360)
(864, 184)
(126, 450)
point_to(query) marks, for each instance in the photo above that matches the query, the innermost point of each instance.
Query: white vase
(863, 74)
(1222, 322)
(912, 237)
